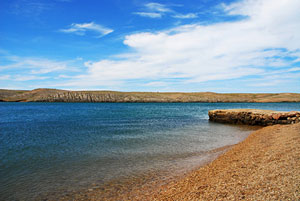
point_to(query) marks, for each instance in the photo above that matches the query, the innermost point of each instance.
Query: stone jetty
(254, 117)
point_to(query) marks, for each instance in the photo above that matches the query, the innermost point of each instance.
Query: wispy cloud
(267, 38)
(4, 77)
(30, 7)
(35, 65)
(148, 14)
(32, 72)
(158, 10)
(156, 84)
(283, 77)
(22, 69)
(157, 7)
(186, 16)
(81, 29)
(22, 78)
(154, 10)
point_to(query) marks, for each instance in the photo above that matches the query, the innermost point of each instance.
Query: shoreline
(147, 181)
(265, 166)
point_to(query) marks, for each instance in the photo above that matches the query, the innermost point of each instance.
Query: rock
(276, 116)
(254, 117)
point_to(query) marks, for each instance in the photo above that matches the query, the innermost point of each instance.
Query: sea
(53, 149)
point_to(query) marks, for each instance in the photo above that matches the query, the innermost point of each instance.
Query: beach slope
(266, 166)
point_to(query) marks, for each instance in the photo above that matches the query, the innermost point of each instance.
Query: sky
(157, 45)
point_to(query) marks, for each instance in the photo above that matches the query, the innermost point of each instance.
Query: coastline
(125, 188)
(265, 166)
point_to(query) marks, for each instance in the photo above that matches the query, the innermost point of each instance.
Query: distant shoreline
(56, 95)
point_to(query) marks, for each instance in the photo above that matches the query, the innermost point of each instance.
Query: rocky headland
(55, 95)
(254, 117)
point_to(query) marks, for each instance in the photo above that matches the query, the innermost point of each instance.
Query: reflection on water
(53, 148)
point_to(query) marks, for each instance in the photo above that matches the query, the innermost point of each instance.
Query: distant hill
(55, 95)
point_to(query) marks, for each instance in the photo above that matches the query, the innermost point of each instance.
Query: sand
(265, 166)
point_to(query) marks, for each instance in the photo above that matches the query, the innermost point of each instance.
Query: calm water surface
(59, 147)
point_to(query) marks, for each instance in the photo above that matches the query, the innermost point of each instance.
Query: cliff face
(253, 117)
(54, 95)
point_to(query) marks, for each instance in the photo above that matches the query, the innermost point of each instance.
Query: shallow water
(60, 147)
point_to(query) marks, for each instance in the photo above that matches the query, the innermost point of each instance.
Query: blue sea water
(59, 147)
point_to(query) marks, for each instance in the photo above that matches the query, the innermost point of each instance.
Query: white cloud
(157, 10)
(197, 53)
(148, 14)
(186, 16)
(36, 65)
(22, 69)
(265, 83)
(30, 8)
(276, 78)
(81, 29)
(22, 77)
(28, 77)
(294, 69)
(154, 10)
(4, 77)
(157, 84)
(157, 7)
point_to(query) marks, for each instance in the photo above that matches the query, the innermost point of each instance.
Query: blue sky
(139, 45)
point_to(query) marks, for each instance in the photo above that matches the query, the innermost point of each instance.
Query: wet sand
(265, 166)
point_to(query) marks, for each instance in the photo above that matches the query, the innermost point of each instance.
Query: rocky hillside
(54, 95)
